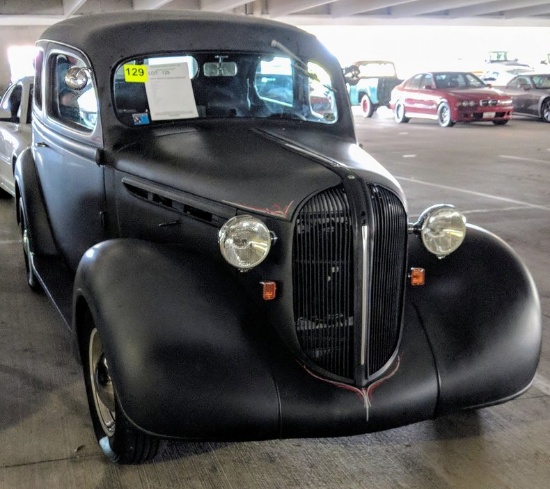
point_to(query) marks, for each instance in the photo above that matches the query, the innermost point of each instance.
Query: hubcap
(102, 386)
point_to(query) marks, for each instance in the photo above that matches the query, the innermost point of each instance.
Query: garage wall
(14, 36)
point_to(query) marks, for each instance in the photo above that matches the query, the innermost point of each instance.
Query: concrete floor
(500, 176)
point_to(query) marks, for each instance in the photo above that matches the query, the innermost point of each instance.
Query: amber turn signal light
(269, 290)
(417, 276)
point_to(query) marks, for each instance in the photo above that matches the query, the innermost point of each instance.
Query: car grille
(324, 276)
(487, 103)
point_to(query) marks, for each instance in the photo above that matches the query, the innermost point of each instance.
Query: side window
(76, 107)
(414, 83)
(321, 98)
(38, 78)
(428, 81)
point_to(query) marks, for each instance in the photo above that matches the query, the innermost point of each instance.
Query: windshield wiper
(301, 66)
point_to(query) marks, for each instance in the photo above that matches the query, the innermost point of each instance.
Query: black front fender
(481, 313)
(171, 325)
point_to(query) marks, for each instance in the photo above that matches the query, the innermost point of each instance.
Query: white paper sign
(170, 93)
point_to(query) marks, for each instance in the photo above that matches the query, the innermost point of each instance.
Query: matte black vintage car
(230, 263)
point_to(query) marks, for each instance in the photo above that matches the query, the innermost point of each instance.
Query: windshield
(457, 80)
(222, 85)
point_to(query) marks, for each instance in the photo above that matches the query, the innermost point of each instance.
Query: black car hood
(268, 171)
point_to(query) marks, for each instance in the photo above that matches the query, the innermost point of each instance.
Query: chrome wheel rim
(103, 392)
(546, 111)
(444, 115)
(399, 110)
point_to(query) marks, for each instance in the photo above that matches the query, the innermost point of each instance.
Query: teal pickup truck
(370, 84)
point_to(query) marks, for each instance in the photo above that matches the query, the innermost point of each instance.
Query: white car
(15, 129)
(499, 74)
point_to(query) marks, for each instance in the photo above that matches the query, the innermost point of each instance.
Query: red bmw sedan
(450, 97)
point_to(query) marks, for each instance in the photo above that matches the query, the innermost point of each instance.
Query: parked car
(498, 76)
(230, 264)
(15, 129)
(450, 97)
(370, 84)
(530, 93)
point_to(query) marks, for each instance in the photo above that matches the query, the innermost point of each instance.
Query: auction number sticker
(135, 73)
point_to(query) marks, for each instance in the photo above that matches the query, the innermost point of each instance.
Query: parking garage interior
(498, 176)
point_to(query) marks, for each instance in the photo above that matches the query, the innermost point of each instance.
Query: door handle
(42, 145)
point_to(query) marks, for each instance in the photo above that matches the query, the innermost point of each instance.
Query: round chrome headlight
(442, 229)
(245, 241)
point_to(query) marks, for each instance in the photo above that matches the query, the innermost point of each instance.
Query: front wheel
(500, 123)
(444, 115)
(366, 106)
(120, 441)
(399, 113)
(545, 110)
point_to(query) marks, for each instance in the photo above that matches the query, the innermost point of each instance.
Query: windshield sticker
(140, 119)
(169, 92)
(135, 73)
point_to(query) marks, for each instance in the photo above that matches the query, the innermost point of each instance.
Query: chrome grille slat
(323, 281)
(324, 274)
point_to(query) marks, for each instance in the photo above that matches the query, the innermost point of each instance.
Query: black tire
(367, 108)
(32, 280)
(545, 110)
(500, 123)
(399, 113)
(444, 115)
(119, 440)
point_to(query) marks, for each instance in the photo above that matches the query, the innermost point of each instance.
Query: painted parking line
(9, 241)
(478, 194)
(529, 160)
(500, 209)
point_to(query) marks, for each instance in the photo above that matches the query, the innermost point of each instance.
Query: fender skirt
(481, 312)
(192, 358)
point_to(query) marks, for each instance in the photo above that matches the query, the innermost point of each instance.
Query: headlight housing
(442, 229)
(466, 103)
(244, 241)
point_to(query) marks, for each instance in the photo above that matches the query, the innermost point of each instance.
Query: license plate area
(489, 115)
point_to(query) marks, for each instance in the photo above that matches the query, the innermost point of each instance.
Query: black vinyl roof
(122, 34)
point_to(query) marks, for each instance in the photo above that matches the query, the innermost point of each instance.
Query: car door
(412, 96)
(9, 122)
(521, 91)
(428, 100)
(66, 142)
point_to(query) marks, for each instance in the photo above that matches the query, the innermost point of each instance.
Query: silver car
(531, 94)
(15, 129)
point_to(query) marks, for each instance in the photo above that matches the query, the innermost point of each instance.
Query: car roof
(134, 32)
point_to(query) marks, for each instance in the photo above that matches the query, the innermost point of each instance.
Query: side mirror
(428, 87)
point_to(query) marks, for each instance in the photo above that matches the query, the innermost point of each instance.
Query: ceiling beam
(182, 5)
(221, 5)
(527, 11)
(345, 8)
(293, 6)
(492, 7)
(148, 4)
(430, 6)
